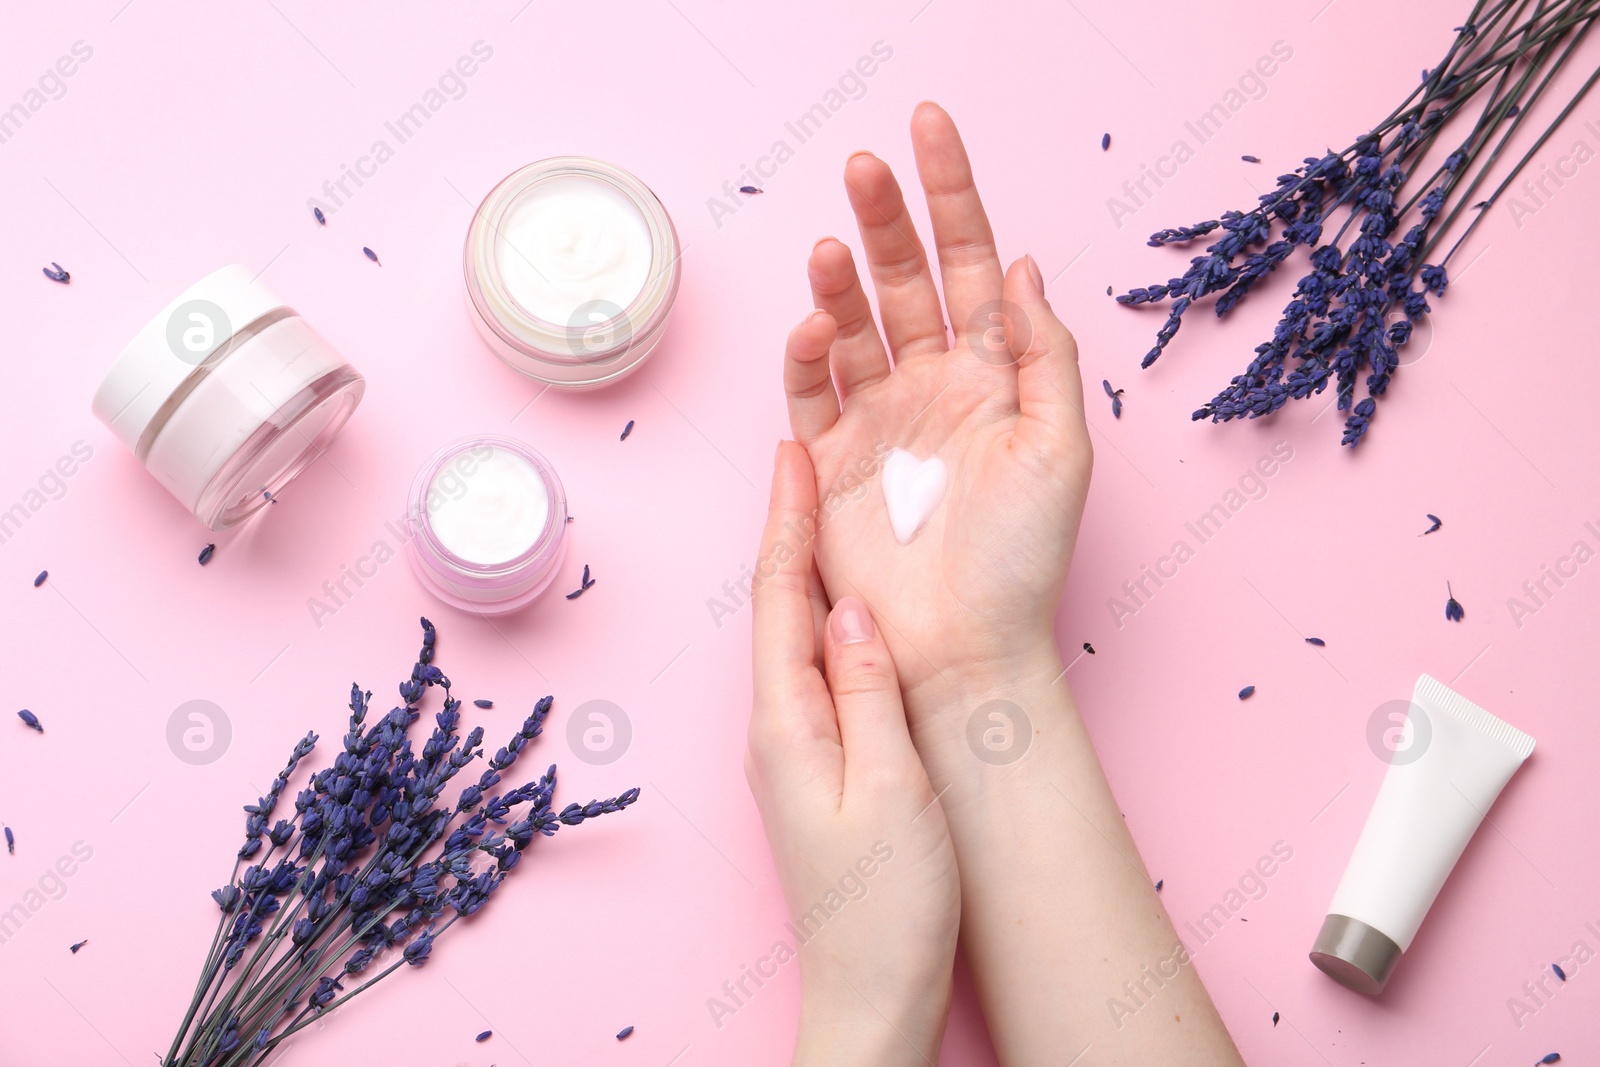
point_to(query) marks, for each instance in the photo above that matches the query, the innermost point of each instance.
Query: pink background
(193, 138)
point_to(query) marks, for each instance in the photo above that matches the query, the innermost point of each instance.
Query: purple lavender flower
(378, 855)
(30, 719)
(1335, 329)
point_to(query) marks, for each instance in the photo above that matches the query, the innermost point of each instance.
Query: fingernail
(813, 316)
(851, 622)
(1038, 279)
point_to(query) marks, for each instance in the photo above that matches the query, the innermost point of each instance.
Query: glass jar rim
(564, 344)
(555, 519)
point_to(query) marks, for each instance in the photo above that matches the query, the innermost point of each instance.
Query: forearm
(1071, 949)
(843, 1024)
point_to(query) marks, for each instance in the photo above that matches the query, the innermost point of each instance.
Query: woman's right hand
(858, 836)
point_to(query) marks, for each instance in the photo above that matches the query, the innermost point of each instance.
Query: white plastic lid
(183, 341)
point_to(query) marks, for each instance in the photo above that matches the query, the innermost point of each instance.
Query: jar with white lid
(571, 268)
(226, 395)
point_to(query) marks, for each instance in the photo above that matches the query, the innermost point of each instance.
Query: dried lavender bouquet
(350, 888)
(1336, 327)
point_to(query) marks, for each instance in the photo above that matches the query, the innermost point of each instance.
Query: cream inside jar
(488, 524)
(571, 268)
(499, 513)
(571, 241)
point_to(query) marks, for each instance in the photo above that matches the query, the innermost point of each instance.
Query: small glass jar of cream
(227, 395)
(571, 268)
(488, 524)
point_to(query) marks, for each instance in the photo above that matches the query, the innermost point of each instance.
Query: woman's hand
(859, 838)
(970, 601)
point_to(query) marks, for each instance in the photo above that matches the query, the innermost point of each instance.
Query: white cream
(491, 512)
(571, 240)
(1454, 759)
(912, 489)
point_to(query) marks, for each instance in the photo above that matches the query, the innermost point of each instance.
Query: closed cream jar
(571, 268)
(227, 395)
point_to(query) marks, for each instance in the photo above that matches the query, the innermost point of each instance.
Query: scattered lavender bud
(206, 553)
(1319, 642)
(37, 582)
(626, 1030)
(1556, 967)
(750, 190)
(483, 704)
(1452, 607)
(1108, 290)
(1551, 1057)
(1437, 522)
(1250, 159)
(587, 581)
(578, 592)
(370, 254)
(1159, 883)
(1515, 109)
(266, 494)
(57, 275)
(1105, 141)
(626, 430)
(1116, 398)
(486, 1035)
(1247, 692)
(11, 842)
(31, 719)
(322, 220)
(1274, 1018)
(74, 948)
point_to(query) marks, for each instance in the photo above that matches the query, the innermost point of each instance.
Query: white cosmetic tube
(1452, 762)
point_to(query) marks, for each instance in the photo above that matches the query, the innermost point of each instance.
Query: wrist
(981, 701)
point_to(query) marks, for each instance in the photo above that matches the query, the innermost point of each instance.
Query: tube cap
(1355, 955)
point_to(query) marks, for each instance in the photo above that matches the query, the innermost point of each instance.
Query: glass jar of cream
(571, 268)
(227, 395)
(488, 524)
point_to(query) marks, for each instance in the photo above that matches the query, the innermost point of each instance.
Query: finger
(866, 695)
(1049, 388)
(969, 265)
(908, 303)
(792, 718)
(813, 404)
(858, 356)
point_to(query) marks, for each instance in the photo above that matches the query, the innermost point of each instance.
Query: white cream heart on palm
(912, 488)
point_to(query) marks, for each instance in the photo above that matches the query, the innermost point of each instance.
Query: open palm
(1003, 408)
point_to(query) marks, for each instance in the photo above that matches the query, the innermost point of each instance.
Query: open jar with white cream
(488, 524)
(571, 267)
(227, 395)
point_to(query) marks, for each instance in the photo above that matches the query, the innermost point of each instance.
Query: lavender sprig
(374, 864)
(1351, 316)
